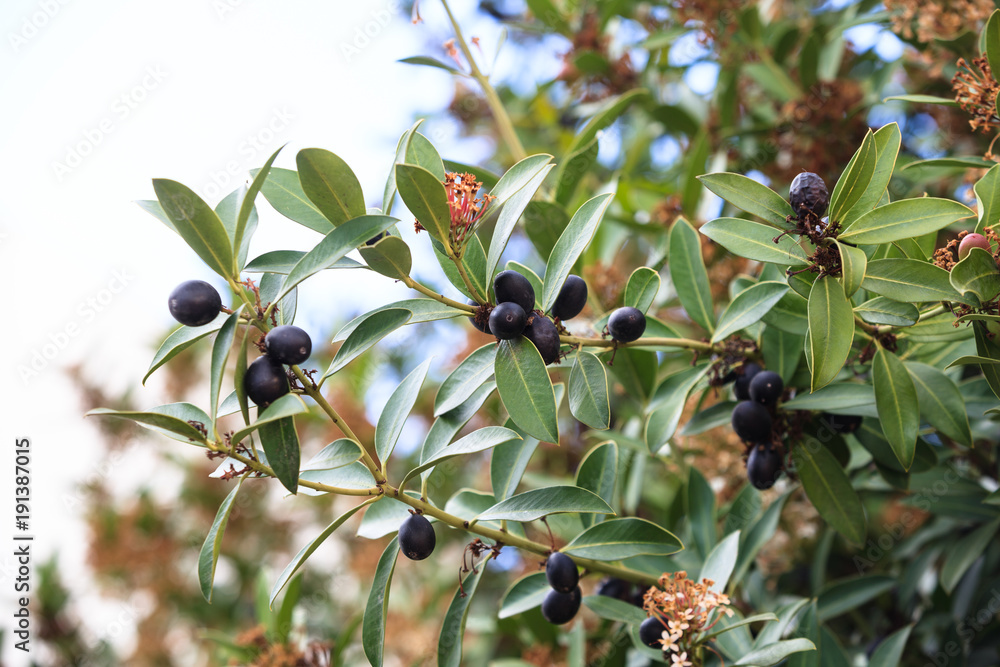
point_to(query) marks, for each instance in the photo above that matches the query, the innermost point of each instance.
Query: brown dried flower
(687, 610)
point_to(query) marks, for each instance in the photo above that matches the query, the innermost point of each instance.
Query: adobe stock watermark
(251, 150)
(224, 7)
(370, 30)
(86, 313)
(120, 109)
(33, 23)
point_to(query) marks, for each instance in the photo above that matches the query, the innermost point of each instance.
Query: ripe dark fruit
(561, 573)
(512, 286)
(626, 324)
(543, 333)
(416, 537)
(507, 321)
(265, 381)
(650, 632)
(751, 421)
(559, 608)
(808, 193)
(766, 388)
(375, 239)
(842, 423)
(613, 587)
(482, 314)
(288, 345)
(763, 466)
(741, 388)
(572, 298)
(194, 303)
(970, 241)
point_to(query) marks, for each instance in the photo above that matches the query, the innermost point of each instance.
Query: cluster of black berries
(416, 537)
(563, 601)
(758, 392)
(808, 193)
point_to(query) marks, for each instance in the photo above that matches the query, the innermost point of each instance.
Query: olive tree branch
(687, 343)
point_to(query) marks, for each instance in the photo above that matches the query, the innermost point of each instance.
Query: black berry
(416, 537)
(288, 345)
(543, 333)
(751, 421)
(265, 381)
(766, 388)
(481, 320)
(763, 466)
(375, 239)
(842, 423)
(741, 388)
(650, 632)
(614, 587)
(507, 320)
(561, 573)
(194, 303)
(626, 324)
(808, 193)
(572, 298)
(512, 286)
(559, 608)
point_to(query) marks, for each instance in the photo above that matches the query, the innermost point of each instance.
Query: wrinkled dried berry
(766, 388)
(288, 344)
(265, 381)
(572, 298)
(194, 303)
(416, 537)
(511, 286)
(970, 241)
(842, 423)
(741, 389)
(559, 608)
(650, 632)
(543, 333)
(507, 321)
(561, 572)
(763, 466)
(626, 324)
(808, 193)
(751, 421)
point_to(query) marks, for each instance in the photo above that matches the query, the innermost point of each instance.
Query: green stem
(465, 277)
(504, 124)
(426, 291)
(688, 343)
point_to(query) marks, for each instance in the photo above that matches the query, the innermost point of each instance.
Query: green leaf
(373, 627)
(197, 224)
(668, 405)
(508, 463)
(756, 536)
(526, 390)
(713, 416)
(616, 539)
(309, 549)
(390, 256)
(772, 632)
(209, 555)
(924, 99)
(284, 193)
(838, 397)
(376, 326)
(831, 330)
(992, 39)
(337, 454)
(964, 552)
(614, 609)
(755, 241)
(882, 310)
(447, 426)
(220, 354)
(605, 116)
(941, 402)
(756, 618)
(247, 207)
(158, 421)
(829, 489)
(642, 287)
(774, 653)
(904, 219)
(288, 405)
(424, 310)
(477, 441)
(449, 647)
(330, 184)
(840, 597)
(514, 192)
(909, 280)
(345, 238)
(228, 211)
(890, 651)
(283, 261)
(687, 271)
(396, 410)
(986, 347)
(898, 409)
(524, 594)
(426, 198)
(281, 445)
(571, 244)
(598, 472)
(749, 307)
(468, 376)
(473, 262)
(987, 191)
(976, 277)
(721, 560)
(428, 62)
(790, 314)
(353, 476)
(749, 195)
(573, 168)
(180, 340)
(588, 391)
(887, 142)
(854, 181)
(385, 517)
(852, 265)
(700, 508)
(635, 370)
(782, 352)
(535, 504)
(808, 628)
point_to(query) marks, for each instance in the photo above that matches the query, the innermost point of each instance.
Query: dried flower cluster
(687, 609)
(596, 83)
(467, 210)
(976, 92)
(945, 20)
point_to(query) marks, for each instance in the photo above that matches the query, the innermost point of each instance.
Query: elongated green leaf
(598, 472)
(428, 62)
(468, 376)
(228, 211)
(882, 310)
(283, 191)
(986, 347)
(831, 330)
(713, 416)
(668, 405)
(720, 562)
(642, 287)
(904, 219)
(772, 632)
(330, 185)
(573, 168)
(281, 445)
(220, 354)
(782, 352)
(614, 609)
(449, 648)
(992, 38)
(774, 653)
(829, 489)
(337, 454)
(180, 340)
(447, 426)
(473, 262)
(753, 240)
(964, 553)
(839, 597)
(808, 628)
(687, 271)
(421, 152)
(606, 115)
(976, 277)
(283, 261)
(750, 196)
(477, 441)
(941, 402)
(373, 626)
(514, 192)
(508, 463)
(890, 651)
(209, 555)
(376, 326)
(426, 198)
(909, 280)
(887, 142)
(588, 391)
(756, 618)
(390, 256)
(524, 594)
(898, 410)
(790, 314)
(247, 207)
(197, 224)
(158, 421)
(526, 390)
(535, 504)
(700, 507)
(615, 539)
(854, 181)
(571, 244)
(352, 476)
(840, 396)
(424, 310)
(852, 266)
(396, 410)
(924, 99)
(385, 517)
(987, 191)
(756, 535)
(309, 549)
(345, 238)
(288, 405)
(749, 307)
